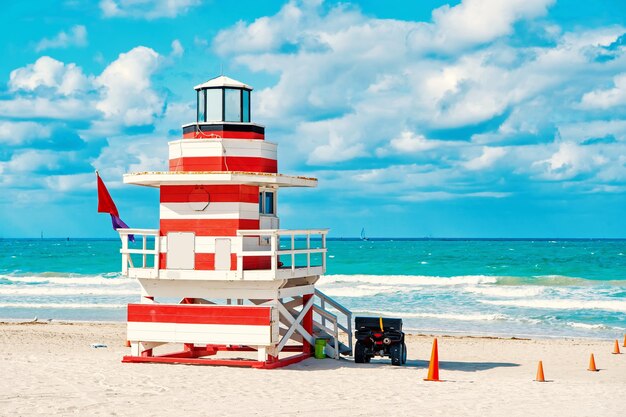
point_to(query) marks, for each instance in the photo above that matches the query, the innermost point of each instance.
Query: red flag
(105, 202)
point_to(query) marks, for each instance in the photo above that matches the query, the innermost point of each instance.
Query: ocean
(546, 288)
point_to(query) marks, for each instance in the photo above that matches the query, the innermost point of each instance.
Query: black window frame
(223, 89)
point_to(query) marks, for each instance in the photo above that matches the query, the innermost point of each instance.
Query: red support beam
(307, 323)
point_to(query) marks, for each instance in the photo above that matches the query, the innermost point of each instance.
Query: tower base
(198, 356)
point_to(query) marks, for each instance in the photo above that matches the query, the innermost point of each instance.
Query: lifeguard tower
(219, 275)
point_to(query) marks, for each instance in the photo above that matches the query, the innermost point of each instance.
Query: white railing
(245, 248)
(127, 260)
(275, 251)
(336, 324)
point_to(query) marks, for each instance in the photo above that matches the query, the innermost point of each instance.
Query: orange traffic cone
(127, 344)
(540, 377)
(592, 364)
(616, 348)
(624, 345)
(433, 368)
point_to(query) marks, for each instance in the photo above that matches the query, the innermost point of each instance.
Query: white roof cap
(222, 81)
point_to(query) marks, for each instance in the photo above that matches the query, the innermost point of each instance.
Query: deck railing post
(324, 252)
(308, 254)
(145, 246)
(157, 251)
(240, 256)
(125, 254)
(273, 246)
(293, 253)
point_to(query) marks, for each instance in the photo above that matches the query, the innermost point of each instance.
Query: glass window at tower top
(201, 106)
(245, 106)
(232, 105)
(214, 105)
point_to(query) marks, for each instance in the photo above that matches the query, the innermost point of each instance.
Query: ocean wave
(64, 279)
(359, 290)
(591, 326)
(467, 280)
(510, 292)
(56, 291)
(410, 280)
(605, 305)
(442, 316)
(62, 306)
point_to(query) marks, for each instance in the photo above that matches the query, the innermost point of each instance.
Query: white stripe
(226, 210)
(215, 147)
(199, 333)
(206, 244)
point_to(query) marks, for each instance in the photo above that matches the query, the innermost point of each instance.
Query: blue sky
(475, 118)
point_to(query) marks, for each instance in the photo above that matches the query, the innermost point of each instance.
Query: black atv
(377, 336)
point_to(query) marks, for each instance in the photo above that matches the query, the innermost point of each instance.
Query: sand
(51, 369)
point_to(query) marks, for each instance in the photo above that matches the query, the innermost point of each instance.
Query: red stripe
(207, 227)
(224, 135)
(196, 314)
(257, 262)
(217, 193)
(219, 163)
(206, 262)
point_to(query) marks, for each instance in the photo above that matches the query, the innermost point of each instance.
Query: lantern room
(223, 99)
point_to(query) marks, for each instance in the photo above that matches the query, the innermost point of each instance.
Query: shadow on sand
(463, 366)
(444, 365)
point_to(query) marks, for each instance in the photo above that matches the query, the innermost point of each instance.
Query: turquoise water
(513, 288)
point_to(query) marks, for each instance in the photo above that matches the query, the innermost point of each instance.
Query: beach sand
(51, 369)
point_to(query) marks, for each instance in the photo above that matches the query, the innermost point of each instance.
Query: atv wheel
(403, 353)
(359, 353)
(395, 351)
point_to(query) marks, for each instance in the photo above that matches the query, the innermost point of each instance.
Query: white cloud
(489, 156)
(571, 160)
(146, 9)
(18, 133)
(122, 95)
(32, 160)
(177, 49)
(475, 22)
(49, 73)
(70, 183)
(47, 108)
(410, 143)
(126, 91)
(77, 36)
(605, 99)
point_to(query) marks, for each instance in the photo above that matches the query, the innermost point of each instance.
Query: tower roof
(222, 81)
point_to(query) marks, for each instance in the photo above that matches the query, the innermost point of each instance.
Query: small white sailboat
(363, 234)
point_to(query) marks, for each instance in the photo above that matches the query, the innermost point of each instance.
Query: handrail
(324, 299)
(269, 232)
(335, 330)
(269, 242)
(127, 261)
(272, 236)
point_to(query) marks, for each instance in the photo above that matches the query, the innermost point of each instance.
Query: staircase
(330, 319)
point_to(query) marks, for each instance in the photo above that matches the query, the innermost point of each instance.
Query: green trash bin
(320, 347)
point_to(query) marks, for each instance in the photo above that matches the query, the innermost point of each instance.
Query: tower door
(181, 252)
(222, 254)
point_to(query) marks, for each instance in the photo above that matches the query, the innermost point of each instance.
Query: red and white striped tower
(242, 284)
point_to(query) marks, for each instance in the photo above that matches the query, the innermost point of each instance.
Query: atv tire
(403, 353)
(359, 353)
(396, 353)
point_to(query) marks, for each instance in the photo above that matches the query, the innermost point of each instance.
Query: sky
(473, 118)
